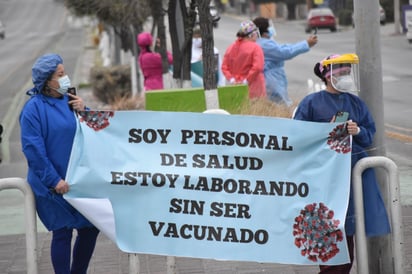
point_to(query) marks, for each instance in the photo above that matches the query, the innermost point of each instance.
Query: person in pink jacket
(151, 62)
(243, 61)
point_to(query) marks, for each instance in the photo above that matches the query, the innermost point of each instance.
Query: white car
(2, 31)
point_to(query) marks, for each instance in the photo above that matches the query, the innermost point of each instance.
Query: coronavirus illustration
(317, 233)
(339, 139)
(96, 120)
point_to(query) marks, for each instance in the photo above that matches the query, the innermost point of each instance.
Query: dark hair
(262, 24)
(241, 34)
(320, 74)
(46, 88)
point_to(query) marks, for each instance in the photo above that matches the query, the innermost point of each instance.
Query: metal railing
(395, 207)
(30, 219)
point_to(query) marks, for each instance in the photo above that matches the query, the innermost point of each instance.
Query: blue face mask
(271, 32)
(64, 83)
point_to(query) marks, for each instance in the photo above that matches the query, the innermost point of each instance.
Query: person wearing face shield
(48, 126)
(275, 56)
(340, 74)
(243, 61)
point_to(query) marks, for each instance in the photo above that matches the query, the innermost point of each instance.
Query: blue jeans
(82, 250)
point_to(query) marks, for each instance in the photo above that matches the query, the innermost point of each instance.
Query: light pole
(367, 37)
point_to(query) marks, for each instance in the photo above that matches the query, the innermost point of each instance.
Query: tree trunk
(156, 7)
(210, 62)
(181, 24)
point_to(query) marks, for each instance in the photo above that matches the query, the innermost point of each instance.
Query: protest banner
(225, 187)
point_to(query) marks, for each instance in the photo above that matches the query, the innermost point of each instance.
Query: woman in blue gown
(339, 74)
(48, 126)
(275, 56)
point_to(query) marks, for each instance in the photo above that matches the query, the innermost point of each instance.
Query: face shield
(345, 77)
(343, 71)
(255, 34)
(249, 29)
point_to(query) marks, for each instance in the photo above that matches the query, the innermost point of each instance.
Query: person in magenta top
(150, 62)
(243, 61)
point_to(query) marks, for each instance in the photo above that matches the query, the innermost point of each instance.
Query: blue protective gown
(48, 127)
(274, 71)
(321, 107)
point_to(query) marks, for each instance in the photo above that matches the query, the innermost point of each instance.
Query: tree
(182, 20)
(126, 17)
(210, 62)
(181, 23)
(156, 7)
(123, 18)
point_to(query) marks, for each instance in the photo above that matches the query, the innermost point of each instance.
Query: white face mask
(343, 83)
(197, 42)
(64, 83)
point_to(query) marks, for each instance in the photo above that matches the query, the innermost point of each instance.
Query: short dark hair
(262, 24)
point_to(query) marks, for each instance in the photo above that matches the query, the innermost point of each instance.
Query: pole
(396, 16)
(367, 37)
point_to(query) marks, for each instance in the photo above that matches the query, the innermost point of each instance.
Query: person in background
(48, 126)
(275, 56)
(340, 75)
(243, 61)
(198, 56)
(150, 62)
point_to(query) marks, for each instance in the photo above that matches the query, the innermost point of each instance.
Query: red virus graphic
(339, 139)
(96, 120)
(316, 233)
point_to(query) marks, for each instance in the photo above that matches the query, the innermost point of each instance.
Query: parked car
(382, 17)
(2, 31)
(320, 18)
